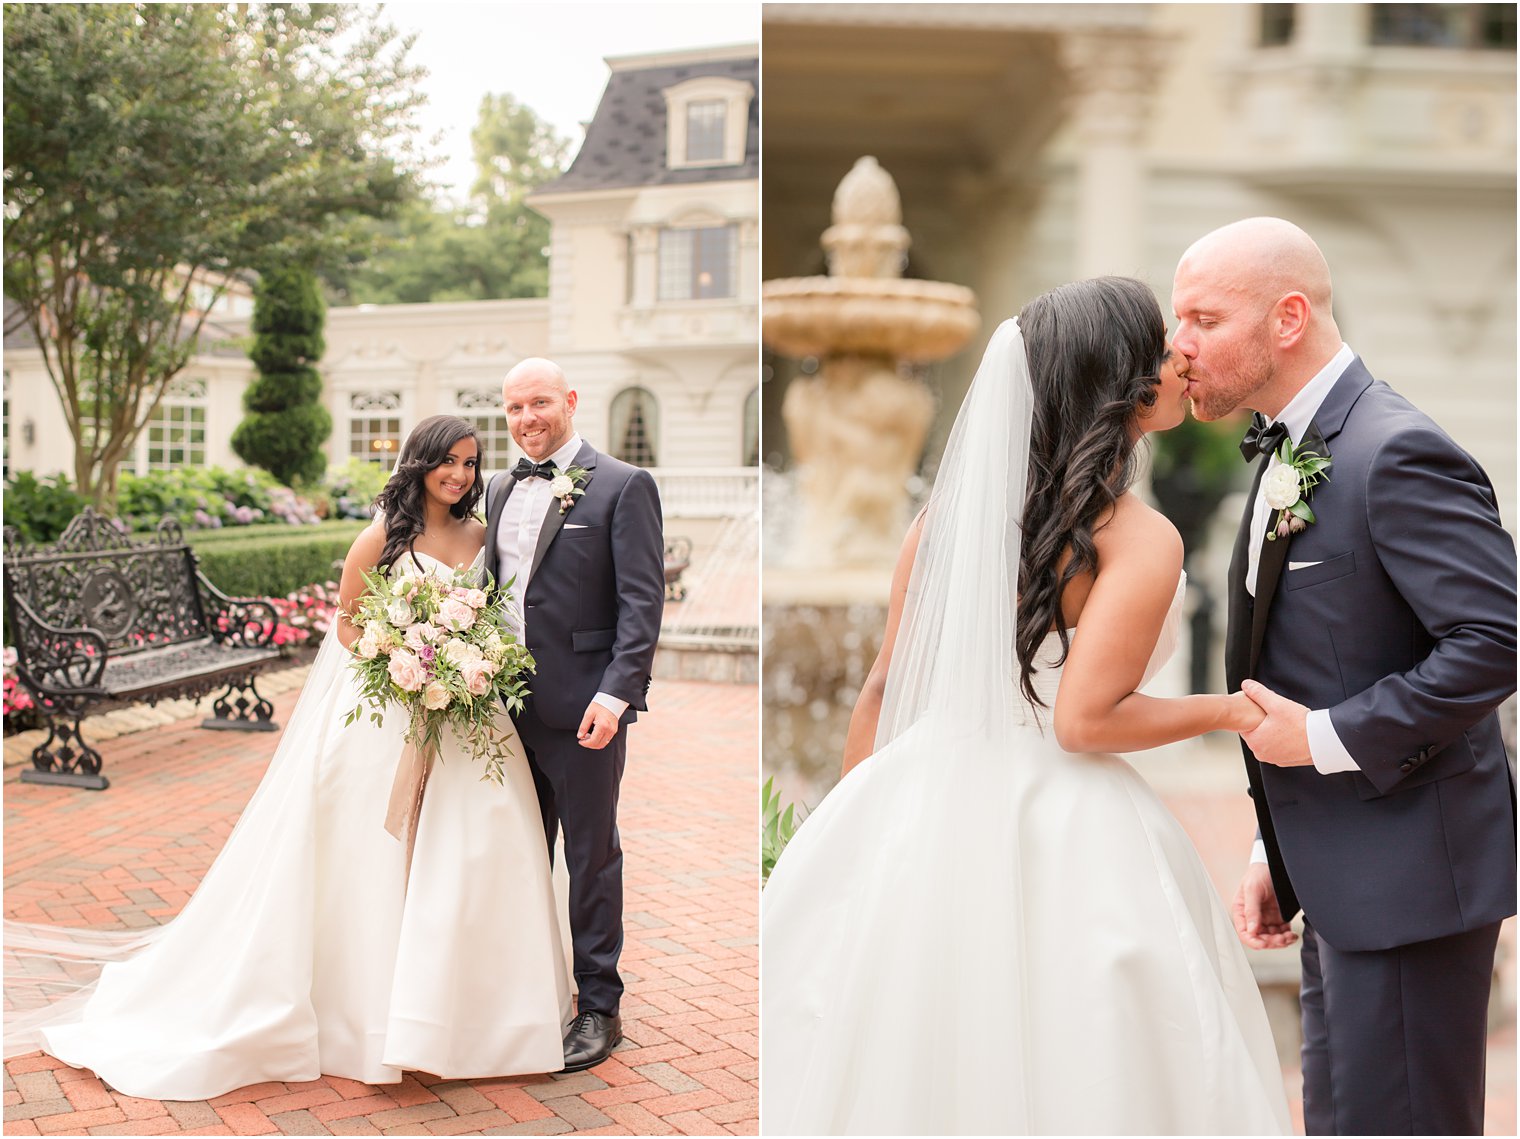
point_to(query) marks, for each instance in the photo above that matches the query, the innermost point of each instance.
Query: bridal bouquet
(436, 647)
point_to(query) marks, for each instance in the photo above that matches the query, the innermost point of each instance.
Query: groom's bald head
(1265, 256)
(1252, 300)
(540, 405)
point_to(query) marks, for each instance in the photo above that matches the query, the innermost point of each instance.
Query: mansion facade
(1035, 144)
(652, 312)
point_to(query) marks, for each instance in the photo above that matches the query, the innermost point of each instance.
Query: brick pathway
(130, 856)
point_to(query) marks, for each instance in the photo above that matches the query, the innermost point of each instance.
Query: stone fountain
(857, 428)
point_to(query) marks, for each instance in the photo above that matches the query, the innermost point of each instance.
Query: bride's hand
(1242, 714)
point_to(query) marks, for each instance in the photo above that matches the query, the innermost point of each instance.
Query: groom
(1378, 639)
(581, 534)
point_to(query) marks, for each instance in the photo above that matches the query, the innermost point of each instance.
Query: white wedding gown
(307, 950)
(978, 936)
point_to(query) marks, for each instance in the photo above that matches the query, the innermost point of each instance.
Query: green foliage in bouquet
(776, 827)
(437, 647)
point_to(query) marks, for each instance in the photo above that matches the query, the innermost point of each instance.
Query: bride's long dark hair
(1095, 350)
(404, 499)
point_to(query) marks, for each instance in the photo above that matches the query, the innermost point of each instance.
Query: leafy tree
(494, 245)
(156, 153)
(286, 423)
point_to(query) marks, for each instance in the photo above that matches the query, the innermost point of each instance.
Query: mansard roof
(625, 142)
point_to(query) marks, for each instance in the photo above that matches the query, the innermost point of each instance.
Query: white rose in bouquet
(368, 646)
(457, 652)
(435, 696)
(399, 613)
(422, 633)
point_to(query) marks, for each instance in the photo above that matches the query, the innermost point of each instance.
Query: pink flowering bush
(20, 708)
(304, 612)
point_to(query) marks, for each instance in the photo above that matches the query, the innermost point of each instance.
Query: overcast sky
(548, 55)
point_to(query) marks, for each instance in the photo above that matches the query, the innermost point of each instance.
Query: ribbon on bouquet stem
(405, 807)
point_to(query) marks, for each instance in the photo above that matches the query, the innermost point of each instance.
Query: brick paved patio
(131, 856)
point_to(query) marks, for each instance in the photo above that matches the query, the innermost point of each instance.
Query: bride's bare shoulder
(1136, 535)
(370, 542)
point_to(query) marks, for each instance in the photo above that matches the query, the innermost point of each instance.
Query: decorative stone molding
(1113, 78)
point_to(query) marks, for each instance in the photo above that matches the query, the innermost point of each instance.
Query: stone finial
(867, 238)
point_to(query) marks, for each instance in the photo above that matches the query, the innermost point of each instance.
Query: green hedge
(235, 535)
(263, 566)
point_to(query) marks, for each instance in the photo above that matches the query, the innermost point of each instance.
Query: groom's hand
(1258, 921)
(598, 726)
(1282, 739)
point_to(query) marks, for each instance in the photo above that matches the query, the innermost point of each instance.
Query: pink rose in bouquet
(456, 615)
(437, 646)
(477, 676)
(406, 671)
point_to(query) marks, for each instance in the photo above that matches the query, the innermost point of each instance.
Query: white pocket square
(579, 526)
(1301, 565)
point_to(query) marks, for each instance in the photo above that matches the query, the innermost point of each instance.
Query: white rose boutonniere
(567, 487)
(1287, 487)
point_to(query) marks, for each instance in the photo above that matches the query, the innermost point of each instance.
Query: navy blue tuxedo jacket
(1394, 610)
(596, 592)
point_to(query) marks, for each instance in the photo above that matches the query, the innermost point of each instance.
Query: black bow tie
(528, 469)
(1262, 438)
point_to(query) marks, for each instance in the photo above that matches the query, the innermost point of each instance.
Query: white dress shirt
(1325, 747)
(522, 521)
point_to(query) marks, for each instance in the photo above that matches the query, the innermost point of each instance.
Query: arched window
(635, 427)
(752, 428)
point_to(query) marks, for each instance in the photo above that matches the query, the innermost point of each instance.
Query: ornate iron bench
(677, 562)
(103, 613)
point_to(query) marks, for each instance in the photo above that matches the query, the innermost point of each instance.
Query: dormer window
(707, 122)
(704, 130)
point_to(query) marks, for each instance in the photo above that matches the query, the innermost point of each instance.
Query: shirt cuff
(611, 703)
(1258, 852)
(1325, 748)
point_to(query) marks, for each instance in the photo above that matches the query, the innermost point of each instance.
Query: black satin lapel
(547, 533)
(585, 458)
(1268, 573)
(1274, 555)
(1314, 441)
(493, 522)
(1237, 635)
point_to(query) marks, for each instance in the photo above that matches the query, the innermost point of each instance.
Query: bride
(309, 948)
(992, 925)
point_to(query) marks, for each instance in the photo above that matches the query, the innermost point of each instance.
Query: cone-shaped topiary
(286, 423)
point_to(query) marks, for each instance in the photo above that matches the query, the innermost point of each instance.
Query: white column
(646, 252)
(1112, 80)
(1331, 40)
(749, 260)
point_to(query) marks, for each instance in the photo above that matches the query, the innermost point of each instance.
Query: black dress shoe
(590, 1039)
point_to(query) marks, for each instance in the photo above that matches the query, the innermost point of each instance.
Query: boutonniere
(566, 487)
(1288, 485)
